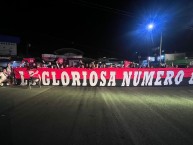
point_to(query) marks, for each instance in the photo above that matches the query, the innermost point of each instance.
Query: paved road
(96, 116)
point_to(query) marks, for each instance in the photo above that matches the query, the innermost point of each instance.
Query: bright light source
(150, 26)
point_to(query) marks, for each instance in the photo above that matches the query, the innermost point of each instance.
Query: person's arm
(33, 73)
(36, 72)
(57, 65)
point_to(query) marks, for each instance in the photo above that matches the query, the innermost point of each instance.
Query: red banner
(29, 60)
(111, 76)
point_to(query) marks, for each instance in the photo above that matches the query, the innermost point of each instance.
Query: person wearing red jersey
(34, 76)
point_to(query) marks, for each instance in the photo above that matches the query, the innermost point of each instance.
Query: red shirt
(34, 73)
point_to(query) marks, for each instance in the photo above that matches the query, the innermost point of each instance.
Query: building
(8, 45)
(179, 59)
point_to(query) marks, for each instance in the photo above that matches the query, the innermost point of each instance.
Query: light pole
(160, 49)
(27, 50)
(150, 27)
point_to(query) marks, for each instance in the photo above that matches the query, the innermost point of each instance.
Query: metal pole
(160, 48)
(27, 50)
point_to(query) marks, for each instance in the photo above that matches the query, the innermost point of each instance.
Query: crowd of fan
(7, 75)
(79, 64)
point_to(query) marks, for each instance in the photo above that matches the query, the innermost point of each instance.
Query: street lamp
(27, 50)
(160, 48)
(150, 27)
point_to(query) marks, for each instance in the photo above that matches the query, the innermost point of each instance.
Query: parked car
(3, 63)
(15, 62)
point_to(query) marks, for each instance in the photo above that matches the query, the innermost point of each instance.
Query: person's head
(38, 65)
(27, 64)
(34, 64)
(4, 70)
(96, 65)
(44, 65)
(9, 64)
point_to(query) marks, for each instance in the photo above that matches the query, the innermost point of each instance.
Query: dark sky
(101, 27)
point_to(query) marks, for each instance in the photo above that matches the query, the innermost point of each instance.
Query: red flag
(60, 60)
(29, 60)
(127, 63)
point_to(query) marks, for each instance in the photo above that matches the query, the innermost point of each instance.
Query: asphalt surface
(96, 115)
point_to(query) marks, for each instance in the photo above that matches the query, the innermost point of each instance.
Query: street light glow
(150, 26)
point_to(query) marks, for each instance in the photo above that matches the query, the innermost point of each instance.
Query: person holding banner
(3, 77)
(10, 74)
(60, 63)
(50, 65)
(34, 76)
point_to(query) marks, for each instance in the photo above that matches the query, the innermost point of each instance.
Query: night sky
(101, 28)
